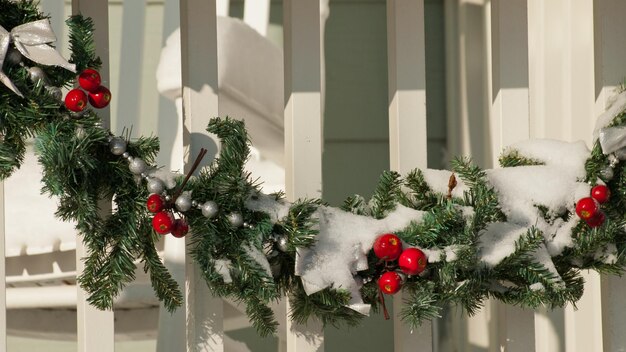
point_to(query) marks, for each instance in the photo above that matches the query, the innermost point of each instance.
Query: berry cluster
(99, 95)
(410, 261)
(588, 208)
(164, 221)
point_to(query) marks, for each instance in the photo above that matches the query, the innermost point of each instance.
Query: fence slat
(95, 328)
(510, 123)
(256, 14)
(610, 70)
(407, 125)
(303, 130)
(130, 63)
(198, 23)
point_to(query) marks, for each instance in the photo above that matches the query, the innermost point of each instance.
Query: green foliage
(514, 158)
(255, 264)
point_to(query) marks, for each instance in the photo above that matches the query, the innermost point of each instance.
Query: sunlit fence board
(200, 103)
(95, 328)
(303, 130)
(407, 125)
(510, 121)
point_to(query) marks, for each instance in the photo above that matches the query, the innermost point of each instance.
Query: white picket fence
(516, 69)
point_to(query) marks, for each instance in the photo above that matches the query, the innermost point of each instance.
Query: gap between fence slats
(610, 70)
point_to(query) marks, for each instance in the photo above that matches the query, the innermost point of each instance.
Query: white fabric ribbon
(31, 39)
(613, 140)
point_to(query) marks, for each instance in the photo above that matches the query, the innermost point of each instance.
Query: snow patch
(222, 266)
(276, 209)
(341, 249)
(258, 257)
(497, 242)
(438, 181)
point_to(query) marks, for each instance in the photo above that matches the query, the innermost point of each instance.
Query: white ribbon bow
(31, 39)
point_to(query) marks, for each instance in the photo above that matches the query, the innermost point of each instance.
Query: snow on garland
(520, 233)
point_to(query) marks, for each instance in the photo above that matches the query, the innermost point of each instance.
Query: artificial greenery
(80, 169)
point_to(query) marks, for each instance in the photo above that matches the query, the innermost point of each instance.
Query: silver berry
(168, 198)
(37, 75)
(55, 92)
(183, 202)
(155, 186)
(606, 174)
(194, 203)
(117, 145)
(282, 243)
(209, 209)
(137, 166)
(235, 219)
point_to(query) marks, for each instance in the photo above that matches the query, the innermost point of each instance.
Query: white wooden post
(610, 70)
(95, 328)
(130, 62)
(407, 126)
(256, 14)
(510, 123)
(303, 130)
(198, 21)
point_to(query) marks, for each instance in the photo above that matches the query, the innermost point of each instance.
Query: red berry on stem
(162, 222)
(390, 282)
(586, 208)
(100, 97)
(596, 220)
(388, 247)
(155, 203)
(76, 100)
(89, 80)
(180, 228)
(601, 193)
(412, 261)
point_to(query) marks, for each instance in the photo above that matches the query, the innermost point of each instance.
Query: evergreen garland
(256, 261)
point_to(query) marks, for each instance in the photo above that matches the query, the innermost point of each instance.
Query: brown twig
(191, 171)
(382, 302)
(451, 185)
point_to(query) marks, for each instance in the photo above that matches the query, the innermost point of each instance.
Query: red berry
(388, 247)
(180, 228)
(155, 203)
(596, 220)
(412, 261)
(586, 208)
(162, 222)
(390, 282)
(89, 80)
(76, 100)
(601, 193)
(100, 97)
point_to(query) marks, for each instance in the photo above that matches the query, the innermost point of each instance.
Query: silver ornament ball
(55, 92)
(117, 145)
(137, 166)
(183, 202)
(282, 243)
(155, 186)
(209, 209)
(606, 174)
(37, 75)
(235, 219)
